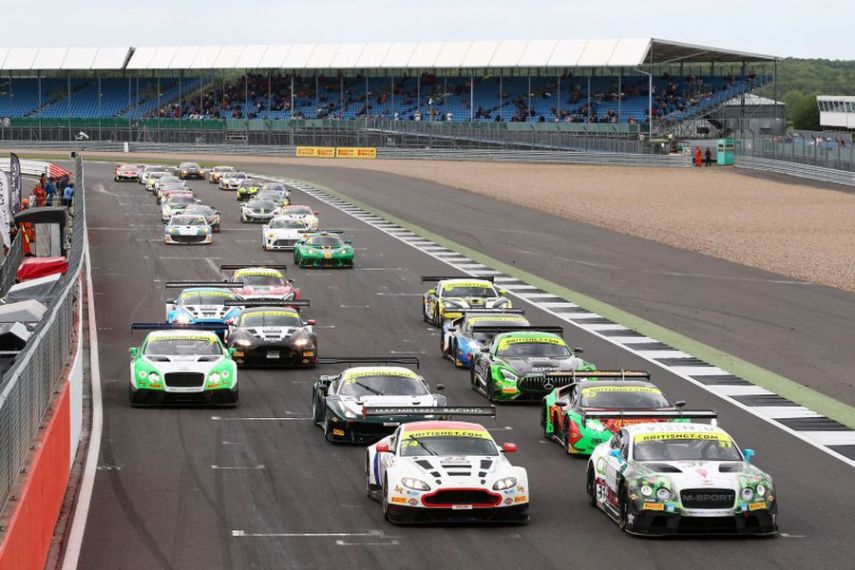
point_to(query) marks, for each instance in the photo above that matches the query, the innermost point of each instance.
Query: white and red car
(127, 173)
(446, 471)
(263, 282)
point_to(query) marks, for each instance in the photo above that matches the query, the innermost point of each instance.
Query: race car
(187, 229)
(216, 172)
(679, 478)
(323, 248)
(282, 233)
(181, 365)
(152, 177)
(612, 390)
(127, 172)
(166, 185)
(147, 171)
(451, 295)
(273, 335)
(203, 302)
(342, 403)
(211, 215)
(190, 170)
(460, 339)
(232, 180)
(262, 281)
(446, 471)
(176, 203)
(279, 198)
(303, 213)
(276, 187)
(525, 363)
(247, 189)
(257, 211)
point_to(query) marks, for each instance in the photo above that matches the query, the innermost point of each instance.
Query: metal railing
(821, 149)
(797, 169)
(27, 387)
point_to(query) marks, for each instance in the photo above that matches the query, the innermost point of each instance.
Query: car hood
(704, 474)
(463, 471)
(272, 334)
(355, 405)
(285, 233)
(184, 363)
(540, 365)
(469, 302)
(186, 230)
(265, 291)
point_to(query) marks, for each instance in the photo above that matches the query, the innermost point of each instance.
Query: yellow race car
(453, 295)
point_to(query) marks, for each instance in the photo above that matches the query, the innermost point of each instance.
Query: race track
(257, 486)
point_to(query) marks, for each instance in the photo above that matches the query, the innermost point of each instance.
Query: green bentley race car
(524, 363)
(181, 364)
(323, 248)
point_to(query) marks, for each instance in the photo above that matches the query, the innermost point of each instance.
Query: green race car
(323, 249)
(247, 189)
(182, 364)
(564, 409)
(525, 364)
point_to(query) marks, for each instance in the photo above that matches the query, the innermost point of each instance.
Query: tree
(805, 113)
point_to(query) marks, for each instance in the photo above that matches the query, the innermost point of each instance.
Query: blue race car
(460, 340)
(203, 303)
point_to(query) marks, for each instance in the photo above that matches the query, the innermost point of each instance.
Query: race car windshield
(201, 210)
(623, 399)
(262, 205)
(383, 386)
(287, 224)
(326, 241)
(223, 169)
(453, 446)
(203, 298)
(469, 292)
(270, 319)
(174, 200)
(188, 221)
(686, 450)
(240, 175)
(127, 167)
(481, 336)
(535, 349)
(273, 187)
(261, 280)
(300, 211)
(169, 180)
(182, 347)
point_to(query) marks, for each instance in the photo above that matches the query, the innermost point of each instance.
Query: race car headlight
(747, 494)
(153, 377)
(301, 342)
(415, 484)
(214, 377)
(647, 490)
(141, 374)
(501, 302)
(451, 305)
(173, 231)
(663, 494)
(215, 219)
(509, 376)
(761, 490)
(505, 483)
(595, 425)
(271, 236)
(243, 342)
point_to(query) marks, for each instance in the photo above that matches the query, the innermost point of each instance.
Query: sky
(819, 28)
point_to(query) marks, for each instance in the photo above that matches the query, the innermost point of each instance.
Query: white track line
(87, 483)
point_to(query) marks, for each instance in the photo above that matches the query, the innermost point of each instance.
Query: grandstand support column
(40, 105)
(528, 105)
(471, 98)
(558, 102)
(341, 95)
(100, 98)
(180, 104)
(589, 95)
(245, 96)
(68, 102)
(392, 92)
(130, 93)
(159, 110)
(419, 90)
(366, 101)
(291, 113)
(619, 95)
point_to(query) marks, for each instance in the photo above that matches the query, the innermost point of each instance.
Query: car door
(614, 466)
(386, 460)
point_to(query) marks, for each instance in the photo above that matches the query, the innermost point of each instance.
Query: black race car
(272, 333)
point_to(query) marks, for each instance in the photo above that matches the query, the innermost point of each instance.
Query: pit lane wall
(41, 416)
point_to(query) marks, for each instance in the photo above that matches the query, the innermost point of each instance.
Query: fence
(821, 149)
(26, 388)
(800, 170)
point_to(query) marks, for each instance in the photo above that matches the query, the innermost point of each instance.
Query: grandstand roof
(627, 52)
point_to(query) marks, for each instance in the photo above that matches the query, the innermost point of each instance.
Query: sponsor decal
(757, 506)
(509, 390)
(412, 502)
(263, 272)
(337, 431)
(450, 285)
(721, 437)
(422, 433)
(509, 501)
(179, 337)
(520, 499)
(385, 372)
(497, 319)
(399, 489)
(654, 507)
(592, 392)
(186, 294)
(507, 341)
(398, 500)
(276, 314)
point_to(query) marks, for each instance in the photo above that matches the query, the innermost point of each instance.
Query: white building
(836, 111)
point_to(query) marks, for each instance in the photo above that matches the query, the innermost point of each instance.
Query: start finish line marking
(370, 533)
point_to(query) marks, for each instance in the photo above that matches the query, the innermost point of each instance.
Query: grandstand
(577, 82)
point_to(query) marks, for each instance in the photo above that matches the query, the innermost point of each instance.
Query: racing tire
(590, 488)
(437, 320)
(316, 411)
(623, 508)
(491, 394)
(133, 398)
(215, 229)
(327, 431)
(424, 314)
(472, 378)
(370, 490)
(568, 446)
(387, 514)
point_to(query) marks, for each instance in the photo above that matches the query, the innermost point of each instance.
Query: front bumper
(359, 431)
(279, 244)
(125, 177)
(188, 175)
(502, 514)
(275, 355)
(218, 397)
(188, 240)
(248, 217)
(757, 523)
(320, 261)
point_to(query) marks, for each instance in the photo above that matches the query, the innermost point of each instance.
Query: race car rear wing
(214, 327)
(261, 265)
(521, 328)
(408, 360)
(272, 302)
(320, 231)
(420, 411)
(677, 414)
(603, 374)
(188, 284)
(431, 278)
(503, 311)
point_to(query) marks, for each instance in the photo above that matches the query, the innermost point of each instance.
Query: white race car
(256, 210)
(446, 471)
(679, 478)
(282, 233)
(182, 366)
(147, 171)
(232, 180)
(187, 229)
(303, 213)
(175, 204)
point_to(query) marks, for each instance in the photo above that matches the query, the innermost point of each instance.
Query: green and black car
(323, 248)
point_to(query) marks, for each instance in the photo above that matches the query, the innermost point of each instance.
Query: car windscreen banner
(15, 194)
(5, 212)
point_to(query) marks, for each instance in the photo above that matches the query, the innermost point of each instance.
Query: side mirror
(680, 404)
(440, 387)
(749, 454)
(170, 301)
(578, 350)
(311, 322)
(317, 213)
(485, 349)
(382, 447)
(503, 291)
(509, 447)
(231, 352)
(616, 454)
(134, 352)
(347, 242)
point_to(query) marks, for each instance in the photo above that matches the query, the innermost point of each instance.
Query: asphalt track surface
(287, 499)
